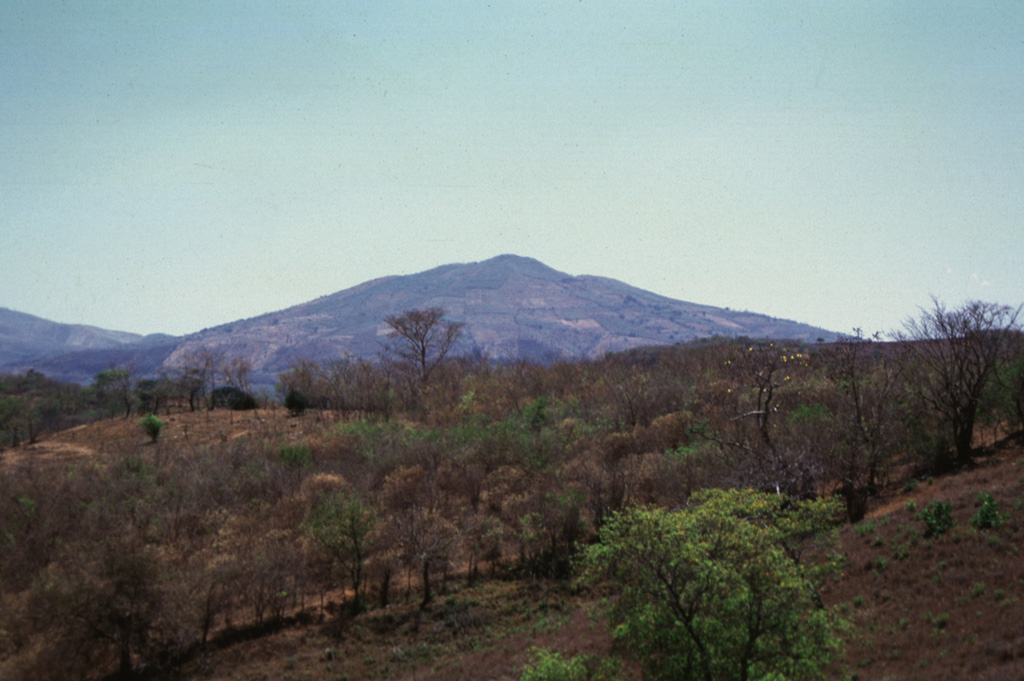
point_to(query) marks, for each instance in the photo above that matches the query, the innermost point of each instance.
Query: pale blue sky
(167, 166)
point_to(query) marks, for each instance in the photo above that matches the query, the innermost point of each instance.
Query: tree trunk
(426, 584)
(124, 670)
(385, 587)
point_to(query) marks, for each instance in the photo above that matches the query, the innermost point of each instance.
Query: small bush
(864, 528)
(938, 518)
(244, 402)
(152, 425)
(988, 515)
(553, 667)
(296, 403)
(295, 456)
(900, 551)
(548, 666)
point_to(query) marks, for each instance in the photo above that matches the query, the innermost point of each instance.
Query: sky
(168, 166)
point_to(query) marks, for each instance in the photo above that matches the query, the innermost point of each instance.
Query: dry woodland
(728, 508)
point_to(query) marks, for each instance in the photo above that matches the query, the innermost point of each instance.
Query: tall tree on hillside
(957, 353)
(116, 386)
(423, 338)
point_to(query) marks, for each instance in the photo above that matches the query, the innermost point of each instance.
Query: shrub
(295, 402)
(233, 398)
(865, 527)
(152, 425)
(548, 666)
(988, 515)
(938, 518)
(295, 456)
(553, 667)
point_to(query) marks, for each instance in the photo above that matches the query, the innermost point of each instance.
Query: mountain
(24, 338)
(513, 307)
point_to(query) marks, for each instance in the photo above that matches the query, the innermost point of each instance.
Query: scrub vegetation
(723, 509)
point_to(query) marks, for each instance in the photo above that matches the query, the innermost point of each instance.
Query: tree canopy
(423, 338)
(721, 590)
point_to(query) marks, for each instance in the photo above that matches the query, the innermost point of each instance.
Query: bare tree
(423, 338)
(957, 353)
(866, 394)
(197, 375)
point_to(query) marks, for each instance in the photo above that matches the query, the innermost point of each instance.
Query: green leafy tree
(116, 387)
(720, 590)
(342, 523)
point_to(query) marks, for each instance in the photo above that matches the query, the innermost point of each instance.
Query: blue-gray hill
(513, 307)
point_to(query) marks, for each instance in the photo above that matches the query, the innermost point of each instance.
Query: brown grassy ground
(482, 632)
(947, 607)
(181, 429)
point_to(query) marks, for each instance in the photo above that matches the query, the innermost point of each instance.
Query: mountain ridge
(514, 307)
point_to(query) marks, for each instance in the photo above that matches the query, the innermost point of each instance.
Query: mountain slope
(24, 338)
(513, 307)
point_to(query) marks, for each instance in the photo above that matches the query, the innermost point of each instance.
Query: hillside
(26, 338)
(513, 308)
(926, 608)
(941, 607)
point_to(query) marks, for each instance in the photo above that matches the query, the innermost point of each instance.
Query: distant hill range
(513, 308)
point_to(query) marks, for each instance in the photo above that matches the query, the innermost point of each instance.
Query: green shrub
(152, 425)
(865, 527)
(548, 666)
(988, 515)
(938, 518)
(295, 456)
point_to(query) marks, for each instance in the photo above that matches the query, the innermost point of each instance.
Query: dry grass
(481, 632)
(946, 607)
(182, 430)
